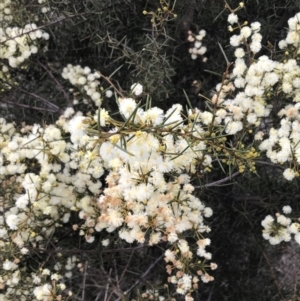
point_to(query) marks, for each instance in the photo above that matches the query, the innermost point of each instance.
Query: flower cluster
(45, 8)
(135, 176)
(142, 201)
(242, 100)
(87, 82)
(17, 44)
(198, 49)
(292, 38)
(35, 203)
(282, 144)
(148, 198)
(280, 229)
(5, 12)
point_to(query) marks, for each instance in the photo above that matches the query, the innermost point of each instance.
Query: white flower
(282, 220)
(255, 26)
(294, 228)
(256, 37)
(43, 292)
(240, 66)
(169, 256)
(207, 212)
(206, 117)
(239, 53)
(233, 127)
(69, 112)
(259, 135)
(89, 238)
(246, 32)
(105, 242)
(235, 40)
(3, 232)
(108, 93)
(137, 89)
(172, 237)
(255, 46)
(126, 106)
(286, 209)
(297, 238)
(81, 80)
(198, 44)
(22, 201)
(96, 96)
(232, 18)
(282, 44)
(12, 221)
(201, 50)
(9, 265)
(267, 221)
(289, 174)
(154, 115)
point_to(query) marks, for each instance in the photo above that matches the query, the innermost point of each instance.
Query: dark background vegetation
(108, 35)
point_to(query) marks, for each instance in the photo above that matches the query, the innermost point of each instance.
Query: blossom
(255, 26)
(43, 292)
(235, 40)
(233, 127)
(154, 116)
(207, 212)
(255, 47)
(137, 89)
(289, 174)
(127, 106)
(12, 221)
(108, 93)
(286, 209)
(239, 52)
(9, 265)
(207, 117)
(232, 18)
(245, 32)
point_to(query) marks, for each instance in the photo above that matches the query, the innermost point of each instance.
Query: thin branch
(107, 286)
(48, 103)
(216, 183)
(79, 251)
(84, 281)
(27, 106)
(270, 164)
(123, 273)
(110, 82)
(143, 276)
(57, 82)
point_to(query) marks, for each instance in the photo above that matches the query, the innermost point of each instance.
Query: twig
(84, 281)
(56, 81)
(75, 251)
(110, 82)
(143, 276)
(268, 262)
(116, 271)
(270, 164)
(126, 266)
(50, 104)
(107, 286)
(27, 106)
(220, 181)
(115, 290)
